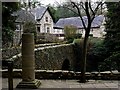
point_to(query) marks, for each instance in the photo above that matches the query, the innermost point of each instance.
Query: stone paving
(70, 84)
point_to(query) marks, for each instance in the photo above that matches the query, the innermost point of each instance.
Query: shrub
(70, 32)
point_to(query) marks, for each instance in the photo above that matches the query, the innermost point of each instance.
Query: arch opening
(66, 65)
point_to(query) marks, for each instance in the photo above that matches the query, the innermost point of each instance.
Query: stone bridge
(55, 57)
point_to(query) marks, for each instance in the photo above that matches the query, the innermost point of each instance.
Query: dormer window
(46, 19)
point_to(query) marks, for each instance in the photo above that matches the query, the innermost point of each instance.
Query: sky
(46, 2)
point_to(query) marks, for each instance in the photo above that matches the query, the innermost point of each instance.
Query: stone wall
(9, 52)
(51, 57)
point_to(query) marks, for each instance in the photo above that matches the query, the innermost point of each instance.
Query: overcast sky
(46, 2)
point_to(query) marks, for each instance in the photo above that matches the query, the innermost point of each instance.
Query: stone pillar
(28, 63)
(28, 60)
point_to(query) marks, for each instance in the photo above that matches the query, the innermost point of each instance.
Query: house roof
(76, 21)
(23, 15)
(31, 15)
(40, 11)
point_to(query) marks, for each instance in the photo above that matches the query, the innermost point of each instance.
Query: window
(18, 27)
(92, 29)
(46, 19)
(48, 30)
(38, 29)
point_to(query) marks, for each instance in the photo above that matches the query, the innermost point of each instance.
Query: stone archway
(66, 65)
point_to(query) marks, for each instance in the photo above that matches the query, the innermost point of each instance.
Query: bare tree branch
(81, 4)
(88, 15)
(70, 9)
(93, 13)
(95, 10)
(74, 5)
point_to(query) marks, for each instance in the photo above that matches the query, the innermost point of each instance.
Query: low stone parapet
(62, 74)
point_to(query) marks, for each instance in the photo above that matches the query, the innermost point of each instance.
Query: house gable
(46, 22)
(44, 19)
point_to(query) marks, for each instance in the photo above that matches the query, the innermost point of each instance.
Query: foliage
(96, 53)
(112, 39)
(8, 20)
(29, 27)
(77, 50)
(61, 12)
(64, 11)
(90, 13)
(111, 63)
(78, 35)
(53, 13)
(105, 53)
(70, 32)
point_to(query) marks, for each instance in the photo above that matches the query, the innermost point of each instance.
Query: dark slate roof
(23, 15)
(31, 15)
(76, 21)
(39, 12)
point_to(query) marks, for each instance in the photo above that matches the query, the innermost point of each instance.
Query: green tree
(70, 32)
(112, 39)
(52, 12)
(97, 53)
(29, 27)
(61, 12)
(8, 20)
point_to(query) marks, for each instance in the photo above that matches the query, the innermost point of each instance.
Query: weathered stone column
(28, 63)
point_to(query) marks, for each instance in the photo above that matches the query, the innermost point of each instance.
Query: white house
(97, 28)
(44, 19)
(41, 16)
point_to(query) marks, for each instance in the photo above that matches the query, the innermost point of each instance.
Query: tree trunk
(84, 55)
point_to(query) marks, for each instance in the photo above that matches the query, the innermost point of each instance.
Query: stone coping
(54, 45)
(48, 44)
(62, 74)
(105, 72)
